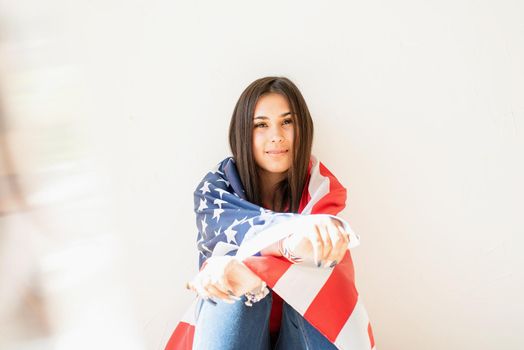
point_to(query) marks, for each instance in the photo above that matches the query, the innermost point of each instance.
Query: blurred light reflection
(61, 273)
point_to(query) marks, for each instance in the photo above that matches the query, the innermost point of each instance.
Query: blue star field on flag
(224, 217)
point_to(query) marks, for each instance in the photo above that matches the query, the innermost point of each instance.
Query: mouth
(277, 152)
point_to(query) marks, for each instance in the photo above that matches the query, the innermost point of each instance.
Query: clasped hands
(324, 243)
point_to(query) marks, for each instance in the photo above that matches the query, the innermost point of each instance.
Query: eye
(285, 122)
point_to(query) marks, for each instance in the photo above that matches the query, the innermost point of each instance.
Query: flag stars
(236, 222)
(219, 202)
(216, 213)
(243, 220)
(205, 187)
(203, 205)
(215, 169)
(220, 191)
(203, 246)
(224, 181)
(230, 234)
(204, 226)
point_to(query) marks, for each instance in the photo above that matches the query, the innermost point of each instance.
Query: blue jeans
(239, 327)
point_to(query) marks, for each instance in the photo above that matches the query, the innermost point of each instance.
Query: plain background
(418, 109)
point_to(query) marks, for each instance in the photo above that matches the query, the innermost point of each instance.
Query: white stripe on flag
(318, 186)
(190, 315)
(300, 284)
(354, 334)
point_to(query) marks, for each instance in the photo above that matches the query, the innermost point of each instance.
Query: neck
(270, 180)
(268, 186)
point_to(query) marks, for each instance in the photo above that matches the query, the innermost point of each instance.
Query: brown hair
(241, 142)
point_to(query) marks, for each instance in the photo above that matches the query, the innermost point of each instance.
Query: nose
(277, 138)
(277, 135)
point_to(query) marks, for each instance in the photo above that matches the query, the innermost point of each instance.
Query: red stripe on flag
(334, 201)
(335, 302)
(268, 268)
(371, 338)
(182, 337)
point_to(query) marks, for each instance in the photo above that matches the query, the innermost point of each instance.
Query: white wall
(418, 109)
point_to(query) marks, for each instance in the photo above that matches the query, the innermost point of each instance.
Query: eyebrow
(264, 117)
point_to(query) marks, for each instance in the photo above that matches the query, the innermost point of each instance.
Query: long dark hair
(241, 142)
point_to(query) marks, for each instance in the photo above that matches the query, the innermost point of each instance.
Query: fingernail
(333, 264)
(210, 301)
(232, 295)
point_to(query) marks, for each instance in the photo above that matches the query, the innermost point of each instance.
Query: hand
(224, 277)
(325, 242)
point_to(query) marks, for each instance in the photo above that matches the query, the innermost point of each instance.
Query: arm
(325, 242)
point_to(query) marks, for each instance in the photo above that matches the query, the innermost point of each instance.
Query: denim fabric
(239, 327)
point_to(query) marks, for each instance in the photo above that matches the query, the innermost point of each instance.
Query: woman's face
(273, 135)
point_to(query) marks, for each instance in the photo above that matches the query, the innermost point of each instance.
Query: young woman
(268, 181)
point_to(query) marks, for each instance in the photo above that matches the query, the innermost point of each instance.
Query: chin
(276, 168)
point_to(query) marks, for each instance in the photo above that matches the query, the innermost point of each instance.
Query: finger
(214, 291)
(189, 286)
(228, 288)
(208, 290)
(328, 242)
(219, 285)
(199, 283)
(337, 247)
(342, 230)
(341, 243)
(346, 236)
(192, 285)
(200, 290)
(233, 278)
(317, 243)
(344, 243)
(207, 286)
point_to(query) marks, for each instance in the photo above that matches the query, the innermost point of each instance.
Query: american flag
(228, 224)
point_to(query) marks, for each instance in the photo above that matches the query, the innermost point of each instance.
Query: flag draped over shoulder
(228, 224)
